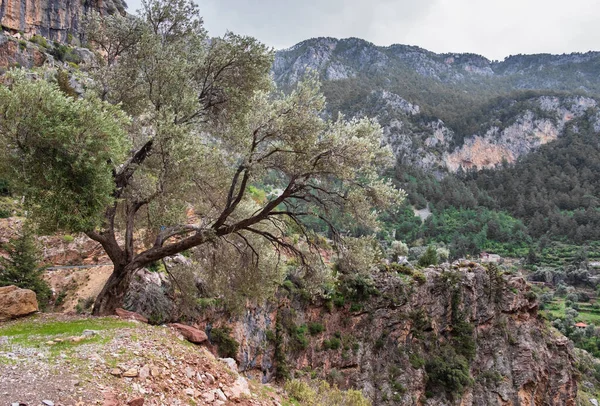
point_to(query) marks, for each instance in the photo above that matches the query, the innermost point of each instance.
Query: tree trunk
(112, 295)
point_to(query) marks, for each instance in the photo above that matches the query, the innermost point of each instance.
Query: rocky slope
(446, 111)
(66, 360)
(461, 335)
(57, 20)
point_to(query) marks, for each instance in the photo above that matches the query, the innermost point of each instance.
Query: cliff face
(464, 336)
(53, 19)
(441, 112)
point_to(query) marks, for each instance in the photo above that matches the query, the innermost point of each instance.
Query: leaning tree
(160, 153)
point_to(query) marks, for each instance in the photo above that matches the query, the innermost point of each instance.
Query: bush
(39, 40)
(321, 393)
(151, 301)
(315, 328)
(227, 345)
(68, 238)
(299, 339)
(22, 267)
(416, 361)
(419, 277)
(429, 257)
(448, 371)
(333, 343)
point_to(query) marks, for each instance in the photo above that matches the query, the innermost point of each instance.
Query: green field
(587, 314)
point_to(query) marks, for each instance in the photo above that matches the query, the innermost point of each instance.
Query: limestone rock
(130, 373)
(58, 20)
(190, 333)
(16, 302)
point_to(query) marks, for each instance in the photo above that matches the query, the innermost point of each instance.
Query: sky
(492, 28)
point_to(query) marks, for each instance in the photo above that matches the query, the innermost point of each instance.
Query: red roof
(580, 325)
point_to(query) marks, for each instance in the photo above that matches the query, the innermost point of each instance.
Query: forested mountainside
(531, 121)
(445, 111)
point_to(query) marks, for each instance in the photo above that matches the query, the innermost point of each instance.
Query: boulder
(190, 333)
(127, 315)
(16, 302)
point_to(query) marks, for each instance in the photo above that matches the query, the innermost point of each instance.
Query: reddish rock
(110, 399)
(136, 402)
(190, 333)
(16, 302)
(127, 315)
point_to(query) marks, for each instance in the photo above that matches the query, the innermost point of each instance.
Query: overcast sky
(493, 28)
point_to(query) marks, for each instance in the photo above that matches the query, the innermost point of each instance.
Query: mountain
(443, 112)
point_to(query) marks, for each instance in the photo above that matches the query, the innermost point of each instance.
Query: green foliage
(419, 277)
(298, 339)
(448, 371)
(64, 84)
(429, 257)
(321, 393)
(58, 154)
(22, 267)
(316, 328)
(333, 343)
(355, 287)
(416, 360)
(227, 346)
(39, 40)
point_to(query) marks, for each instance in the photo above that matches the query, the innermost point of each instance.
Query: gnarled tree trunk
(113, 294)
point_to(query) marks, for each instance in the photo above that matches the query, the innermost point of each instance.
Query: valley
(338, 223)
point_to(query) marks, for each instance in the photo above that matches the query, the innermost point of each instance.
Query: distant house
(581, 325)
(490, 258)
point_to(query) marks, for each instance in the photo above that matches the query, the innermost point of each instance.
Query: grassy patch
(34, 326)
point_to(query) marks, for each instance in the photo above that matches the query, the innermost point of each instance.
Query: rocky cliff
(457, 335)
(442, 112)
(53, 19)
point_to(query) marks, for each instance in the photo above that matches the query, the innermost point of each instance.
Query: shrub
(333, 343)
(357, 287)
(68, 238)
(299, 339)
(39, 40)
(355, 307)
(448, 371)
(151, 301)
(419, 277)
(22, 267)
(429, 257)
(315, 328)
(227, 345)
(317, 393)
(416, 361)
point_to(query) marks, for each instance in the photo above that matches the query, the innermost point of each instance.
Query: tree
(160, 154)
(22, 268)
(429, 257)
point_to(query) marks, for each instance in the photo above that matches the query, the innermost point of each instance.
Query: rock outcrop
(463, 335)
(57, 20)
(16, 302)
(193, 335)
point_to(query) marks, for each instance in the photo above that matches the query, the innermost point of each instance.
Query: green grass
(36, 331)
(34, 326)
(556, 309)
